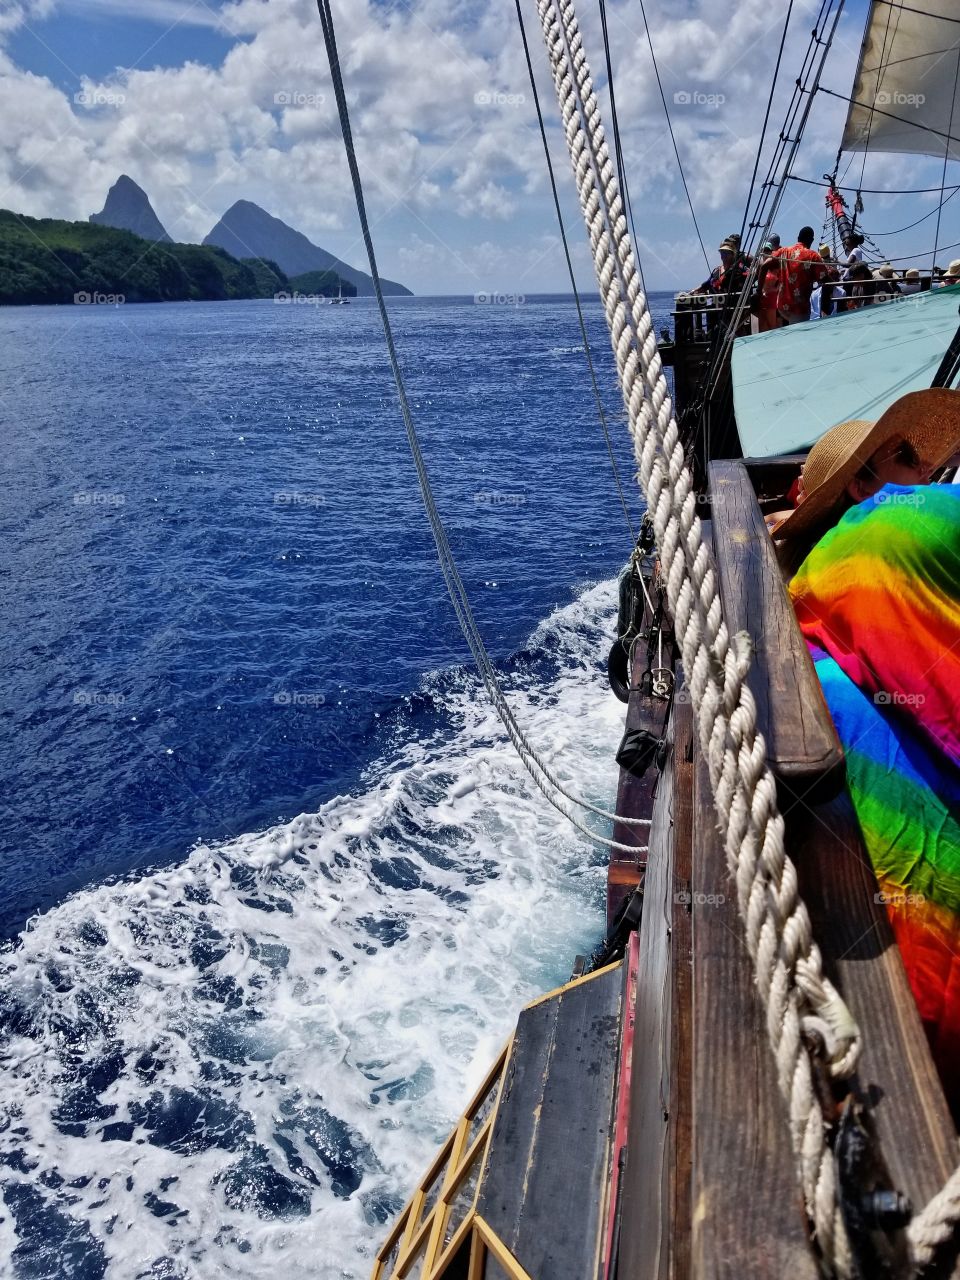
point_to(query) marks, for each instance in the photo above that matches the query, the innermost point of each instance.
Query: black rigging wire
(875, 191)
(911, 225)
(617, 147)
(946, 156)
(924, 13)
(676, 152)
(798, 112)
(573, 281)
(880, 72)
(766, 118)
(926, 128)
(451, 575)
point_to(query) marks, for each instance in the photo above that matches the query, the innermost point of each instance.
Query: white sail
(905, 92)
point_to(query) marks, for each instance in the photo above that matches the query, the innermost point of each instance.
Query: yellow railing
(441, 1222)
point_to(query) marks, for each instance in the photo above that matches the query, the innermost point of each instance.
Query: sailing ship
(636, 1125)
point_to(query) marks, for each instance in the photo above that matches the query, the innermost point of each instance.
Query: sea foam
(247, 1060)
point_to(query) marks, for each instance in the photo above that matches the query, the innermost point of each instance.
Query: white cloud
(444, 121)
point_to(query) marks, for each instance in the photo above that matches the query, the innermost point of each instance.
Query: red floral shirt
(796, 271)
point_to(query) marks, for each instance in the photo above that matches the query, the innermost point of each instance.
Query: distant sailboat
(339, 300)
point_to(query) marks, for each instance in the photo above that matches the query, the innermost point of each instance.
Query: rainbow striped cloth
(878, 600)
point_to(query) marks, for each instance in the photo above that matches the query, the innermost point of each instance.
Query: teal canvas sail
(791, 385)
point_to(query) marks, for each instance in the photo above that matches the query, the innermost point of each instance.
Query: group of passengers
(797, 283)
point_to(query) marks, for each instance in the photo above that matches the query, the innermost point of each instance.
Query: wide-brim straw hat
(929, 420)
(954, 268)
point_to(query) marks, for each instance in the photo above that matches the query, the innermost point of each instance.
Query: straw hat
(929, 420)
(954, 268)
(886, 271)
(912, 274)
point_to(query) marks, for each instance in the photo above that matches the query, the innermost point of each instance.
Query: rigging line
(875, 191)
(816, 70)
(573, 280)
(728, 301)
(946, 154)
(790, 115)
(880, 72)
(926, 128)
(911, 225)
(724, 336)
(922, 253)
(766, 119)
(924, 13)
(618, 149)
(535, 766)
(666, 112)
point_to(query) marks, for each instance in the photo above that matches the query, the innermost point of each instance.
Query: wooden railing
(710, 1188)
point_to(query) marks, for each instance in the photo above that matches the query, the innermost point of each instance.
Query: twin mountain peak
(245, 231)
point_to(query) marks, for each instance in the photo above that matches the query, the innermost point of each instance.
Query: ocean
(274, 884)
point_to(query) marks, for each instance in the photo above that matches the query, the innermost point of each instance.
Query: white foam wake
(246, 1060)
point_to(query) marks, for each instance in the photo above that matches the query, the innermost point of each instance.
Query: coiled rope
(547, 782)
(802, 1006)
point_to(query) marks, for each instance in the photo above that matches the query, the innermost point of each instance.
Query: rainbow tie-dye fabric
(878, 600)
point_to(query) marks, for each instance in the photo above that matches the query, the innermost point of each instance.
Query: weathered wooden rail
(710, 1189)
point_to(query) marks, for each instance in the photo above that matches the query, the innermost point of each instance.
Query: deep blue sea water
(291, 885)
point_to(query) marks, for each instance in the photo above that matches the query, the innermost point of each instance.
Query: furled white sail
(905, 93)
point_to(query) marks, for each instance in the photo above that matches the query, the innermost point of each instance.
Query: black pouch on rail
(639, 750)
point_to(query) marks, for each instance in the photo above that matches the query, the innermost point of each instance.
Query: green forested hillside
(326, 282)
(45, 260)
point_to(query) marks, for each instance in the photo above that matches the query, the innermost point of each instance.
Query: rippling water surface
(285, 883)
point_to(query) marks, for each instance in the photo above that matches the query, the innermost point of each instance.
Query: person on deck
(797, 270)
(861, 287)
(911, 282)
(886, 287)
(877, 596)
(853, 254)
(731, 272)
(768, 286)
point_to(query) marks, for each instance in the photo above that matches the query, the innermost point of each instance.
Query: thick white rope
(936, 1223)
(800, 1003)
(548, 783)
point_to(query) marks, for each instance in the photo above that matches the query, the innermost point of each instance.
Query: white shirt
(853, 259)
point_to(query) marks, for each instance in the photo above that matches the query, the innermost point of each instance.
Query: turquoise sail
(791, 385)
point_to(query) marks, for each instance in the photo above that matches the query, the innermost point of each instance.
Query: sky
(203, 102)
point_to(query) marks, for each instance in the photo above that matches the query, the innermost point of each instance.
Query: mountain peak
(247, 231)
(128, 208)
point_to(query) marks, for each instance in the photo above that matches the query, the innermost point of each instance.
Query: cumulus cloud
(442, 113)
